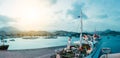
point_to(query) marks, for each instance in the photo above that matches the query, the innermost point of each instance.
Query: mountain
(68, 33)
(9, 29)
(110, 32)
(15, 32)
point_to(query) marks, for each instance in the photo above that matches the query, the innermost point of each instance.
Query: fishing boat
(81, 48)
(87, 43)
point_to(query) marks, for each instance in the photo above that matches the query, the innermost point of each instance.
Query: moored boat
(4, 47)
(29, 37)
(81, 49)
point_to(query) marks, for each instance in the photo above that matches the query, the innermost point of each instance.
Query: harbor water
(41, 42)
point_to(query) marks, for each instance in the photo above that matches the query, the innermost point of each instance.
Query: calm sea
(20, 43)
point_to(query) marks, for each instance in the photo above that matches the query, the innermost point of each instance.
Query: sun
(33, 19)
(31, 13)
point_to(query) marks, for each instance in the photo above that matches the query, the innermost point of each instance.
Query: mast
(2, 38)
(95, 30)
(81, 28)
(69, 41)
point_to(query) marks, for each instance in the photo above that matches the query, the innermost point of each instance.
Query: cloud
(109, 10)
(61, 14)
(53, 1)
(5, 21)
(75, 11)
(103, 16)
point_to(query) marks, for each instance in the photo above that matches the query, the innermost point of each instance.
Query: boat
(81, 48)
(12, 39)
(50, 37)
(29, 37)
(3, 46)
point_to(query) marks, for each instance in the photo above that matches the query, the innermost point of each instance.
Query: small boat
(12, 39)
(106, 50)
(29, 37)
(4, 47)
(50, 37)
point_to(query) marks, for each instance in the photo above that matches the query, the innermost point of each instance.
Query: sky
(52, 15)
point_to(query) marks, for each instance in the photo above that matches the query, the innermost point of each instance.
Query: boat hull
(4, 47)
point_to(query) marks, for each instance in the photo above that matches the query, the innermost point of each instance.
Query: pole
(81, 29)
(69, 41)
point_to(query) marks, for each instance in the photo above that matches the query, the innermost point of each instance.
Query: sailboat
(80, 49)
(85, 46)
(2, 43)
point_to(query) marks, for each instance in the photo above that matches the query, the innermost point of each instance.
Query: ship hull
(4, 47)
